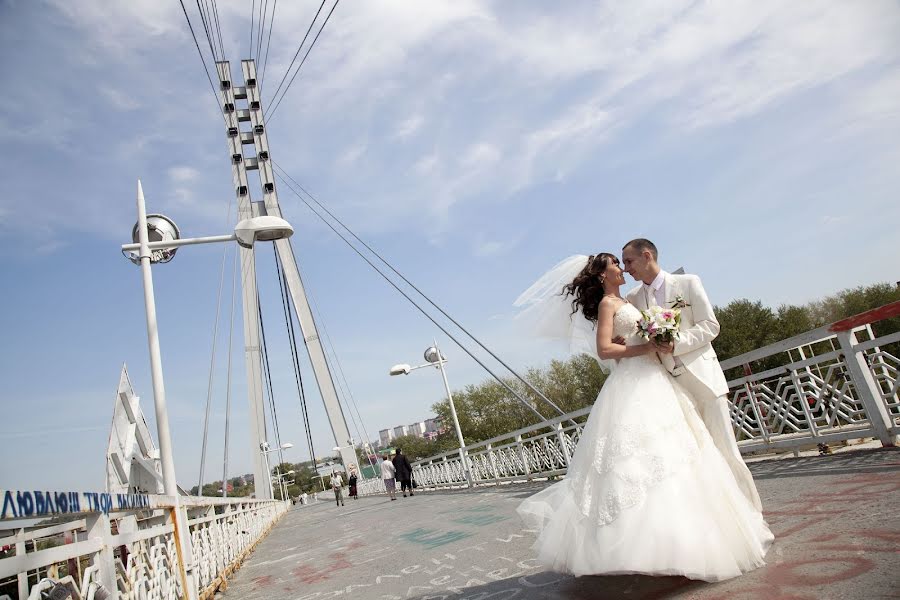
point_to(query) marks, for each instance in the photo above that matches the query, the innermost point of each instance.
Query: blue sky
(475, 144)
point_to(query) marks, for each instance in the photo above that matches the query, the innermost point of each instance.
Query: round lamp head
(432, 355)
(160, 228)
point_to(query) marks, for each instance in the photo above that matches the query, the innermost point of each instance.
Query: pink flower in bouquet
(668, 315)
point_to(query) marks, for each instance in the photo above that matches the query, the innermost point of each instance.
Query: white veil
(549, 313)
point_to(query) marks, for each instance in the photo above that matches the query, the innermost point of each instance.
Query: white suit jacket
(699, 328)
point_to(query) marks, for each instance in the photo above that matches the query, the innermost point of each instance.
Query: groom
(691, 359)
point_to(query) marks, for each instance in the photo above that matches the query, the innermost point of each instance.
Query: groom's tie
(651, 295)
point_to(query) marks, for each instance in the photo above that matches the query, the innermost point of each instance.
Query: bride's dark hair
(587, 287)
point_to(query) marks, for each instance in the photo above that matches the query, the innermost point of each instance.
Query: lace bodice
(625, 324)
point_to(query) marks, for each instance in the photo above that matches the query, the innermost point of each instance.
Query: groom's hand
(618, 340)
(667, 348)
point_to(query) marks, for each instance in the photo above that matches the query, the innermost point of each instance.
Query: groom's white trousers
(714, 412)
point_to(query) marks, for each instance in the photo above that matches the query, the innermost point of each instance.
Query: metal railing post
(523, 456)
(493, 459)
(564, 446)
(867, 388)
(97, 526)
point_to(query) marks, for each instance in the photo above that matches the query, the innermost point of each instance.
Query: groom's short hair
(641, 244)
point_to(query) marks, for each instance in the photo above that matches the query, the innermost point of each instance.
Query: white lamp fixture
(262, 229)
(400, 370)
(160, 228)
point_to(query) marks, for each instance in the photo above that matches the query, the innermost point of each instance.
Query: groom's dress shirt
(656, 294)
(656, 291)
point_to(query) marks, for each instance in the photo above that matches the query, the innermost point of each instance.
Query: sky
(474, 144)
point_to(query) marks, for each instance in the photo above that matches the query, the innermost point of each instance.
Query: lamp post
(264, 448)
(434, 358)
(167, 240)
(283, 482)
(338, 449)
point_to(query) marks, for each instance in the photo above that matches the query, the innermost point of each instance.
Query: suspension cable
(202, 59)
(212, 361)
(215, 11)
(252, 16)
(262, 77)
(263, 10)
(295, 361)
(419, 291)
(271, 111)
(206, 27)
(267, 373)
(346, 384)
(414, 303)
(234, 271)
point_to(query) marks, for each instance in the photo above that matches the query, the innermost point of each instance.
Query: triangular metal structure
(132, 459)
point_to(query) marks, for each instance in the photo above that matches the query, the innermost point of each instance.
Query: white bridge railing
(833, 383)
(100, 546)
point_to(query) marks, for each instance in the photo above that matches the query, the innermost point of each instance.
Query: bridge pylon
(261, 161)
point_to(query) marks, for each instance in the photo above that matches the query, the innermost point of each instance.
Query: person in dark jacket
(352, 482)
(404, 472)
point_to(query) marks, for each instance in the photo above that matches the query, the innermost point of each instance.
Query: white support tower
(262, 163)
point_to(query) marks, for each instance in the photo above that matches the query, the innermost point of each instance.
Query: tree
(415, 448)
(744, 326)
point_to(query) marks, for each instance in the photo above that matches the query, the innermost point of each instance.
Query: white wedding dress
(647, 491)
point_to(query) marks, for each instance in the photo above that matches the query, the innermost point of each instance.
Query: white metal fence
(833, 383)
(125, 546)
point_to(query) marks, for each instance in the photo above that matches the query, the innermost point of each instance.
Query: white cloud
(409, 127)
(486, 248)
(352, 154)
(426, 164)
(183, 174)
(118, 99)
(480, 156)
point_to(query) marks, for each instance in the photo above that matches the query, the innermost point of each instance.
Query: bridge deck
(835, 518)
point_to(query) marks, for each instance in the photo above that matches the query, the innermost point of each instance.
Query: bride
(646, 491)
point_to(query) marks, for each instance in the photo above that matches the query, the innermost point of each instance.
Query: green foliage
(415, 448)
(747, 325)
(488, 409)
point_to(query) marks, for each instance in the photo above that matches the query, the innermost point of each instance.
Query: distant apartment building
(416, 429)
(428, 429)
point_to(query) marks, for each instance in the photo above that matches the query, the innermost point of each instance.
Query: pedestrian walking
(337, 483)
(403, 472)
(387, 474)
(351, 481)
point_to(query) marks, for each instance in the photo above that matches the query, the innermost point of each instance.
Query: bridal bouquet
(659, 324)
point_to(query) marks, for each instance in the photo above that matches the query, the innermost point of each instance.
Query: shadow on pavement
(556, 586)
(880, 460)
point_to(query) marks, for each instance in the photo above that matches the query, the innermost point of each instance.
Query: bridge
(833, 389)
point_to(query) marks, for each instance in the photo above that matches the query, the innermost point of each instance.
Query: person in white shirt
(337, 484)
(388, 473)
(691, 359)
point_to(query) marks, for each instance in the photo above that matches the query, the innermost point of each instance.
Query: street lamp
(166, 240)
(350, 444)
(283, 482)
(434, 358)
(264, 448)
